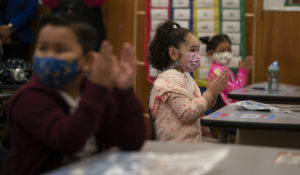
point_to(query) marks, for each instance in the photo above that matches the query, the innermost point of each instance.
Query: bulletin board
(203, 18)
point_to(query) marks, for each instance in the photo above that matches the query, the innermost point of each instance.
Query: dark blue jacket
(20, 13)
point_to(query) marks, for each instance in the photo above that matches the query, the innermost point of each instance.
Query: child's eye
(61, 50)
(194, 50)
(41, 47)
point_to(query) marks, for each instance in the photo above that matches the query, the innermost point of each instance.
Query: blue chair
(219, 102)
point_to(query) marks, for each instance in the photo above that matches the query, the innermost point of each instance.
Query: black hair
(213, 43)
(85, 33)
(168, 34)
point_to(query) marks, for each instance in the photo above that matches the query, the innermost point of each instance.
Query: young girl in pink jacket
(219, 50)
(176, 102)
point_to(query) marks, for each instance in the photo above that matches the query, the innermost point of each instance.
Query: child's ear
(89, 60)
(173, 54)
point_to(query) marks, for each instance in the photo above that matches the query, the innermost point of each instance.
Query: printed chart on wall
(203, 18)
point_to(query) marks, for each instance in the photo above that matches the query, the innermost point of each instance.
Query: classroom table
(286, 94)
(236, 160)
(281, 129)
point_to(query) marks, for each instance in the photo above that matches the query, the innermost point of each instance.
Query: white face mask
(223, 58)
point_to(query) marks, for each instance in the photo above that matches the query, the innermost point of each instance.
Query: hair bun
(205, 39)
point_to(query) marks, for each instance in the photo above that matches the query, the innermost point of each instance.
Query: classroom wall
(119, 21)
(276, 37)
(280, 41)
(270, 35)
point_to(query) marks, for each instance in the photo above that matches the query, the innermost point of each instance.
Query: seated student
(61, 115)
(176, 102)
(219, 50)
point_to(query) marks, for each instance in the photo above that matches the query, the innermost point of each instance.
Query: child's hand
(127, 67)
(247, 63)
(108, 72)
(216, 86)
(105, 64)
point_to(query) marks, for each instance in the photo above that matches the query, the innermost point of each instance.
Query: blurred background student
(89, 9)
(15, 27)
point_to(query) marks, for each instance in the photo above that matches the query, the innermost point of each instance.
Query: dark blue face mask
(54, 72)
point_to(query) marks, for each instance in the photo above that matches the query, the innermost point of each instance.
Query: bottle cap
(274, 66)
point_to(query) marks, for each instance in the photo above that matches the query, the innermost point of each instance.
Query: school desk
(286, 94)
(280, 129)
(236, 160)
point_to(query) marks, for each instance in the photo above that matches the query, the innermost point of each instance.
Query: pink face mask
(192, 61)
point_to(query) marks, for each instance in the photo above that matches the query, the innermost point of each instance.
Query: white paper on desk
(205, 3)
(253, 105)
(287, 158)
(182, 14)
(128, 163)
(231, 3)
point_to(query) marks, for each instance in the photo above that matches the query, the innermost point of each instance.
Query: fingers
(128, 55)
(106, 49)
(210, 78)
(223, 77)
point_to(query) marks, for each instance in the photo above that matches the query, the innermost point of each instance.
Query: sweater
(176, 105)
(44, 131)
(234, 83)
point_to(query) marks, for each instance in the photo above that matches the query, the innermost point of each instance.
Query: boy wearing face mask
(219, 50)
(61, 115)
(175, 100)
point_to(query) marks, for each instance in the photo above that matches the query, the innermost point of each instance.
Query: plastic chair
(151, 124)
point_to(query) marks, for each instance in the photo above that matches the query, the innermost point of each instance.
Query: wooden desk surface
(245, 160)
(286, 93)
(231, 116)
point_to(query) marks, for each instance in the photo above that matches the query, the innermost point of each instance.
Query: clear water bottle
(273, 76)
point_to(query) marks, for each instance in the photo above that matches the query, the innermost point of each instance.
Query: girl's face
(222, 54)
(58, 42)
(191, 44)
